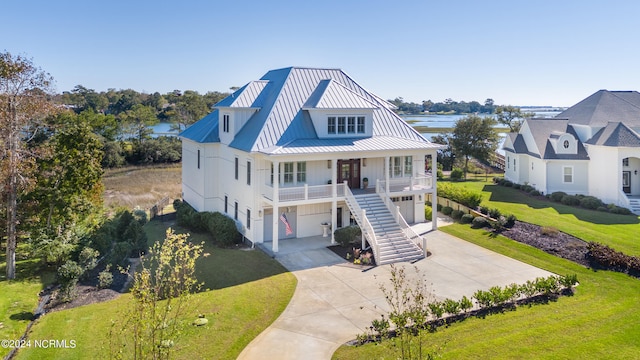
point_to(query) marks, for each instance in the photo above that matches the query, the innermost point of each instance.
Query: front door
(349, 170)
(626, 182)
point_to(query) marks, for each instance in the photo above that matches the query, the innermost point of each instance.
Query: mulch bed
(559, 244)
(342, 251)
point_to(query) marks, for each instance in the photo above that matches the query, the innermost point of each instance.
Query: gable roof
(605, 106)
(616, 134)
(544, 132)
(284, 96)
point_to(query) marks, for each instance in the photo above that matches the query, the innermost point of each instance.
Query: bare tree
(24, 101)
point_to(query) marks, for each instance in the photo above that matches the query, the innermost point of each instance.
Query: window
(271, 173)
(248, 172)
(248, 218)
(397, 166)
(514, 164)
(225, 123)
(360, 124)
(565, 144)
(408, 165)
(226, 204)
(198, 158)
(508, 162)
(341, 124)
(236, 168)
(288, 173)
(351, 124)
(625, 162)
(301, 172)
(235, 211)
(567, 173)
(331, 125)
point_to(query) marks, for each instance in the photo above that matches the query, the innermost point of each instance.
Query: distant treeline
(448, 106)
(123, 119)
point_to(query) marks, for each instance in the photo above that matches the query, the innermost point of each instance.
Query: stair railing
(361, 218)
(408, 231)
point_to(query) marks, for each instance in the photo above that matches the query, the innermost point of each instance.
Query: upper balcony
(313, 193)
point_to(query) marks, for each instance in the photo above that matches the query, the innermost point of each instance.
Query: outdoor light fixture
(364, 162)
(635, 172)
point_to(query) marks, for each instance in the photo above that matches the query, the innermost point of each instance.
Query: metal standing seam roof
(203, 131)
(281, 118)
(377, 143)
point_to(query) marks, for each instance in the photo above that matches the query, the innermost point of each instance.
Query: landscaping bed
(551, 241)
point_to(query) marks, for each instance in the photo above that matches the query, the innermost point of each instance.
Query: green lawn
(621, 232)
(601, 321)
(250, 292)
(19, 298)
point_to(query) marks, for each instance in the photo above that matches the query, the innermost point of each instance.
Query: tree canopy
(475, 137)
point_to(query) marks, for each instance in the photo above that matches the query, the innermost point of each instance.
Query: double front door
(349, 171)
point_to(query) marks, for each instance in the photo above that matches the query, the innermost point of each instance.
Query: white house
(289, 156)
(592, 148)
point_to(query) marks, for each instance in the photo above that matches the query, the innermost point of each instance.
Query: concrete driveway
(333, 301)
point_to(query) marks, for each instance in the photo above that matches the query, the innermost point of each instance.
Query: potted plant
(365, 183)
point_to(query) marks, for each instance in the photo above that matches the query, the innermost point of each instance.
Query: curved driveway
(333, 301)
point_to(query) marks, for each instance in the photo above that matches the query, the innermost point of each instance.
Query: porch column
(334, 219)
(434, 192)
(276, 204)
(387, 161)
(334, 202)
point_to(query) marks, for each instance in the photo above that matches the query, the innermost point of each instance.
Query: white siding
(580, 177)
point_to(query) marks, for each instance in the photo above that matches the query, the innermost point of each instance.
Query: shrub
(507, 183)
(447, 210)
(439, 174)
(496, 179)
(439, 207)
(466, 219)
(464, 196)
(603, 209)
(456, 174)
(494, 213)
(68, 276)
(516, 186)
(557, 196)
(510, 221)
(608, 257)
(105, 278)
(347, 235)
(451, 307)
(527, 188)
(549, 231)
(465, 303)
(428, 213)
(484, 210)
(120, 254)
(620, 210)
(570, 200)
(534, 193)
(222, 228)
(457, 214)
(479, 222)
(590, 202)
(140, 216)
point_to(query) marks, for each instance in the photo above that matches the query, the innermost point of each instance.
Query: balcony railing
(417, 182)
(306, 192)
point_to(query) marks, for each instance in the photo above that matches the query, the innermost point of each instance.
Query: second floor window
(248, 172)
(301, 172)
(287, 175)
(236, 168)
(225, 123)
(331, 125)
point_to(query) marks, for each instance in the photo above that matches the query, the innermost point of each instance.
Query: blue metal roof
(203, 131)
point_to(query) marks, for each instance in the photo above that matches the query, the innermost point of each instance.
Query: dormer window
(346, 125)
(225, 123)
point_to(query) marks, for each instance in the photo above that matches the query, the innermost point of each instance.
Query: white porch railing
(408, 231)
(361, 218)
(306, 192)
(417, 182)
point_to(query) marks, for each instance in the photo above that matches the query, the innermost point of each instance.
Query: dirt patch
(551, 241)
(86, 295)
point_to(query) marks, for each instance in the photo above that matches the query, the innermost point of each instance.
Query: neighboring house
(592, 148)
(289, 156)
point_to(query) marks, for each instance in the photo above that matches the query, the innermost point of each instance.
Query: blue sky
(516, 52)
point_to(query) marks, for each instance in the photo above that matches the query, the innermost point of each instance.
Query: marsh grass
(141, 186)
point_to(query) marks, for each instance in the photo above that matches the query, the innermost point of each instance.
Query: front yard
(618, 231)
(248, 292)
(601, 321)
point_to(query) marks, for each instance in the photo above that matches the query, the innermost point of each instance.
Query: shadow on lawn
(30, 270)
(510, 195)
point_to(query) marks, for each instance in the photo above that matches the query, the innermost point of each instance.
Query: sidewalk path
(333, 303)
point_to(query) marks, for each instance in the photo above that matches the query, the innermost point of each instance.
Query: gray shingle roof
(616, 134)
(605, 106)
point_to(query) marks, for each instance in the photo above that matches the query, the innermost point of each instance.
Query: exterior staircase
(393, 245)
(634, 205)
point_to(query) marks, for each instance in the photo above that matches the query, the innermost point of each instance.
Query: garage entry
(290, 213)
(407, 208)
